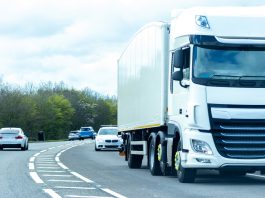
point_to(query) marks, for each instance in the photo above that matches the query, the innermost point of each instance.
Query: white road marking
(46, 167)
(36, 154)
(31, 166)
(113, 193)
(82, 177)
(50, 171)
(32, 159)
(46, 175)
(70, 181)
(57, 159)
(63, 166)
(36, 177)
(80, 188)
(46, 163)
(79, 196)
(43, 151)
(52, 193)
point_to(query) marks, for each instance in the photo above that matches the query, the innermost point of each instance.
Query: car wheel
(23, 148)
(96, 149)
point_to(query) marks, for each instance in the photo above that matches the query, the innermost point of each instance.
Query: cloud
(76, 41)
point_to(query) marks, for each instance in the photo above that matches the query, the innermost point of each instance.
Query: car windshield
(9, 131)
(86, 129)
(228, 62)
(108, 132)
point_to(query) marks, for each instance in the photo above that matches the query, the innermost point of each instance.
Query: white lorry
(191, 94)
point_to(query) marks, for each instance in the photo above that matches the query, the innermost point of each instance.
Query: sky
(77, 42)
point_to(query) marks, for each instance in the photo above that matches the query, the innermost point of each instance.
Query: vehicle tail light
(19, 137)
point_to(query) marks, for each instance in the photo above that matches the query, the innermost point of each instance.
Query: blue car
(86, 132)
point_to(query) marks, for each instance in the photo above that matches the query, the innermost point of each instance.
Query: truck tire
(185, 175)
(134, 161)
(162, 155)
(154, 164)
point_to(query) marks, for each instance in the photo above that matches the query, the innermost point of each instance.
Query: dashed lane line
(113, 193)
(44, 163)
(52, 193)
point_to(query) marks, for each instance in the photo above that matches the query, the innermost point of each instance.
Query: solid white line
(79, 196)
(80, 188)
(52, 193)
(70, 181)
(32, 159)
(36, 177)
(82, 177)
(113, 193)
(31, 166)
(57, 159)
(36, 154)
(63, 166)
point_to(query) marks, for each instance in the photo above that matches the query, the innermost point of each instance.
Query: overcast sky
(77, 41)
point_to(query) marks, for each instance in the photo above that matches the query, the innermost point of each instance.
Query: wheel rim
(177, 160)
(159, 152)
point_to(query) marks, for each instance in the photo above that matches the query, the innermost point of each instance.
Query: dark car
(86, 132)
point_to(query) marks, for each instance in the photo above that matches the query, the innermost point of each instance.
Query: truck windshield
(228, 63)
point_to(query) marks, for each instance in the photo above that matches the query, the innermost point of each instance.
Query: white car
(13, 138)
(107, 138)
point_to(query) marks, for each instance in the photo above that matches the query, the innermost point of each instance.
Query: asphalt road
(75, 170)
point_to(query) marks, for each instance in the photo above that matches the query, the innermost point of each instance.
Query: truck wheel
(154, 164)
(185, 175)
(161, 153)
(134, 161)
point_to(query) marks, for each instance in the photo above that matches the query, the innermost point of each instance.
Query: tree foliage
(54, 109)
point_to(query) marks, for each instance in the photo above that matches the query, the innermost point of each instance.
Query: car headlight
(201, 147)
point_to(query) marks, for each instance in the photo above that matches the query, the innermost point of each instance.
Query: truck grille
(239, 139)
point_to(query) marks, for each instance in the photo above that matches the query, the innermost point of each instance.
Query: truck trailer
(191, 93)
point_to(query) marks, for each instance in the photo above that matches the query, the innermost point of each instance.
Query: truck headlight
(201, 147)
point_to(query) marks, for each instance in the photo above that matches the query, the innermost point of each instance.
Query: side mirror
(178, 58)
(177, 75)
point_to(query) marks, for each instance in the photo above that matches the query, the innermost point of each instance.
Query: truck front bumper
(192, 159)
